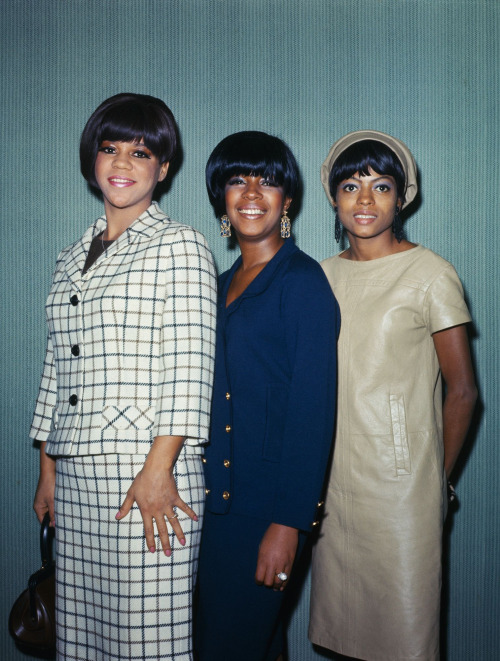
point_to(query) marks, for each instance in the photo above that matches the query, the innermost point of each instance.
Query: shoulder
(176, 237)
(301, 267)
(427, 266)
(305, 283)
(332, 264)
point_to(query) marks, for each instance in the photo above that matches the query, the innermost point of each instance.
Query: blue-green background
(309, 71)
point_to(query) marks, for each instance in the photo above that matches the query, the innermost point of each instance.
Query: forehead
(372, 175)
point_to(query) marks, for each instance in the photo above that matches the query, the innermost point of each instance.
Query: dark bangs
(360, 157)
(251, 153)
(129, 118)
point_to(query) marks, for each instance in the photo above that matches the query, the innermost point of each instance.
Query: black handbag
(32, 621)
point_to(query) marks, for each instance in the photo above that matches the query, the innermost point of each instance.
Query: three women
(377, 563)
(124, 402)
(125, 395)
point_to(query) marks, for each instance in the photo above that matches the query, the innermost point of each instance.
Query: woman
(273, 403)
(124, 401)
(377, 563)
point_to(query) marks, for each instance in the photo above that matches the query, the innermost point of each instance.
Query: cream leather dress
(377, 565)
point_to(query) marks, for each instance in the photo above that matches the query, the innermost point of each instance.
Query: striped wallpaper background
(309, 71)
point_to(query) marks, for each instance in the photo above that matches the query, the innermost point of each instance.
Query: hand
(155, 492)
(276, 554)
(44, 496)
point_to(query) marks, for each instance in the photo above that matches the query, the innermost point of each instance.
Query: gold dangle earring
(285, 225)
(225, 226)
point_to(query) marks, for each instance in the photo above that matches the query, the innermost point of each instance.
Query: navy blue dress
(271, 433)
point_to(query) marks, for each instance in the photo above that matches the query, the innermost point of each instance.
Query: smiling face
(127, 173)
(366, 205)
(254, 206)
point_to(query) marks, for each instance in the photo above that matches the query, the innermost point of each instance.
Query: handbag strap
(45, 541)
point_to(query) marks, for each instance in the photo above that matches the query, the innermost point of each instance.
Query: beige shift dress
(376, 573)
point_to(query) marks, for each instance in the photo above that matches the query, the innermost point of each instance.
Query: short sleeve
(444, 305)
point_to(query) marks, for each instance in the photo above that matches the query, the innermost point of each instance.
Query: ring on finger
(282, 576)
(175, 516)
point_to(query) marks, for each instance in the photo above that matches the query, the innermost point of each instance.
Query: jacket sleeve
(187, 341)
(46, 401)
(312, 320)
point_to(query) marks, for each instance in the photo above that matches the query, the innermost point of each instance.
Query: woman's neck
(119, 220)
(364, 250)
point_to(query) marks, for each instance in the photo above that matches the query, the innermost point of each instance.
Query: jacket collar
(261, 282)
(149, 222)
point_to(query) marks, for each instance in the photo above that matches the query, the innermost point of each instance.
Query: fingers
(163, 523)
(126, 506)
(280, 582)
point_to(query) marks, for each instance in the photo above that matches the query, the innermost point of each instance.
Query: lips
(120, 182)
(364, 218)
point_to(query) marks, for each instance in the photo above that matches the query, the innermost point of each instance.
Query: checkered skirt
(116, 601)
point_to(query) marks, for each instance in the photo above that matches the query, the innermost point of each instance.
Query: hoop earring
(338, 227)
(397, 226)
(225, 226)
(285, 225)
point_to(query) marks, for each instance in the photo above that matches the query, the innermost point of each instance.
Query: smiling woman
(273, 406)
(126, 174)
(123, 406)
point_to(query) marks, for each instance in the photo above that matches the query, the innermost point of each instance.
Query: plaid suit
(129, 357)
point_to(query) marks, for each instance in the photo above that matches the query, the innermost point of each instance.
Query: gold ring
(176, 516)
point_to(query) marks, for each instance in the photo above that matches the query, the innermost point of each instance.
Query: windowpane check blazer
(130, 342)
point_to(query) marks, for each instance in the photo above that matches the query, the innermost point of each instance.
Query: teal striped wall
(309, 71)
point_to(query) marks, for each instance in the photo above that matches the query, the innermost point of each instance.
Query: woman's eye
(141, 154)
(107, 150)
(235, 181)
(383, 188)
(268, 182)
(349, 188)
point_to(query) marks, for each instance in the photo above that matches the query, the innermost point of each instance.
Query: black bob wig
(363, 155)
(128, 117)
(250, 153)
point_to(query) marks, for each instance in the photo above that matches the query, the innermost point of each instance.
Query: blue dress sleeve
(312, 322)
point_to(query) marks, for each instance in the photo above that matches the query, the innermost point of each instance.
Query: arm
(44, 496)
(155, 492)
(311, 321)
(184, 386)
(452, 348)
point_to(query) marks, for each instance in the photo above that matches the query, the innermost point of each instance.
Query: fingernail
(182, 541)
(118, 514)
(168, 553)
(152, 549)
(195, 518)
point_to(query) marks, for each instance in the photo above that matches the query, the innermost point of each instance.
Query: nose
(121, 161)
(365, 195)
(252, 190)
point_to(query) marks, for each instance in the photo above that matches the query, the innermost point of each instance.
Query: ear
(163, 171)
(287, 203)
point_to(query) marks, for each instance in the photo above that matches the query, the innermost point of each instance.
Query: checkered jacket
(130, 343)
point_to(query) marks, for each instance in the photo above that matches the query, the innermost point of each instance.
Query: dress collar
(260, 282)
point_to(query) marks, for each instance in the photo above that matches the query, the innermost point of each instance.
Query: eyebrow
(383, 176)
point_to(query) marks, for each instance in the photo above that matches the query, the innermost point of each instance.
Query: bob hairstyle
(250, 153)
(128, 117)
(363, 155)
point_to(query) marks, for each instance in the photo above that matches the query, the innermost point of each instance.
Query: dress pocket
(400, 435)
(128, 417)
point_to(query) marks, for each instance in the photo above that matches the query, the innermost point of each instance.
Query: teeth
(252, 212)
(359, 215)
(121, 181)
